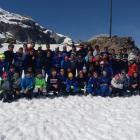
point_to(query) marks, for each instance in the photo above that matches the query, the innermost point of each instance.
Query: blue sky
(81, 19)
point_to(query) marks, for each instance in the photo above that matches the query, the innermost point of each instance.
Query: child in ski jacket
(40, 84)
(70, 84)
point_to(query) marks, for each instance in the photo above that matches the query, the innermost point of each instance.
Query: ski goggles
(54, 72)
(71, 77)
(28, 74)
(104, 72)
(13, 69)
(123, 73)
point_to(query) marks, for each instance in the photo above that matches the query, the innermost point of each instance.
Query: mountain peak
(25, 29)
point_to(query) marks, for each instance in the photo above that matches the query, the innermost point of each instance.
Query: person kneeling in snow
(134, 83)
(105, 84)
(27, 85)
(53, 83)
(15, 85)
(93, 85)
(70, 84)
(40, 84)
(117, 87)
(81, 82)
(5, 89)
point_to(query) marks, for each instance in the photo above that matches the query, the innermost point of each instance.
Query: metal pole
(110, 19)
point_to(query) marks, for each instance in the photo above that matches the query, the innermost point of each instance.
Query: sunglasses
(81, 73)
(104, 72)
(5, 76)
(28, 74)
(16, 74)
(71, 77)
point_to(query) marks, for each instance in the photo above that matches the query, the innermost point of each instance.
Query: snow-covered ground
(70, 118)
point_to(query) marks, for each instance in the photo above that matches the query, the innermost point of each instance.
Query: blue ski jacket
(65, 65)
(26, 83)
(56, 63)
(70, 83)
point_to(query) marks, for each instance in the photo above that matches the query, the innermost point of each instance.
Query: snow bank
(72, 118)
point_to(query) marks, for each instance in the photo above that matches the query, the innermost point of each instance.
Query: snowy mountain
(25, 29)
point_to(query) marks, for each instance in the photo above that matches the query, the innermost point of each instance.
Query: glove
(85, 87)
(72, 87)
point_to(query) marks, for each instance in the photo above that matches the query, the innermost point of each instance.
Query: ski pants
(105, 89)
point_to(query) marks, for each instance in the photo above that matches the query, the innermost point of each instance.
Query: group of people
(96, 72)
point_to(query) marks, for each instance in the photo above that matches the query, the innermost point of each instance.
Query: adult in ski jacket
(65, 63)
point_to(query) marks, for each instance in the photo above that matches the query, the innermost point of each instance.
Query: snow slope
(70, 118)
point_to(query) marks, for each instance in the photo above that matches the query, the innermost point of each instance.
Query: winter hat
(130, 59)
(2, 56)
(39, 46)
(70, 75)
(4, 74)
(117, 76)
(102, 63)
(66, 57)
(125, 57)
(118, 57)
(84, 68)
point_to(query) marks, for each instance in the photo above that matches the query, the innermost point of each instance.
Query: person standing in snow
(90, 66)
(132, 67)
(89, 48)
(64, 52)
(80, 62)
(56, 63)
(117, 86)
(30, 60)
(65, 63)
(73, 63)
(9, 55)
(46, 64)
(133, 54)
(96, 51)
(73, 50)
(3, 65)
(48, 49)
(18, 60)
(56, 52)
(62, 79)
(38, 61)
(32, 46)
(27, 85)
(88, 55)
(24, 53)
(81, 51)
(11, 72)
